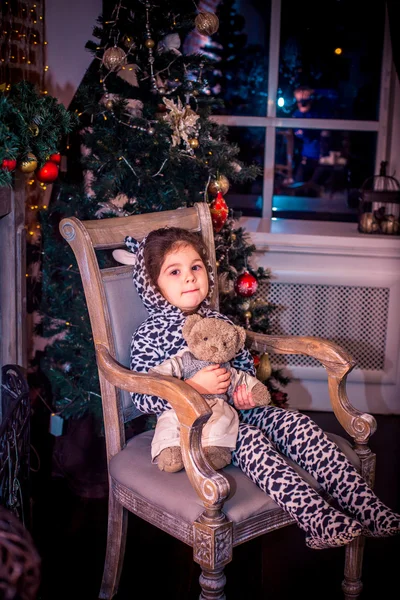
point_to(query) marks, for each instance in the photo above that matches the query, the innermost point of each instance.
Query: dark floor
(70, 534)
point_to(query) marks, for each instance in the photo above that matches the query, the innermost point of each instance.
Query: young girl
(174, 279)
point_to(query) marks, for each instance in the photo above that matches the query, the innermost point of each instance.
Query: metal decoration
(15, 442)
(379, 207)
(150, 43)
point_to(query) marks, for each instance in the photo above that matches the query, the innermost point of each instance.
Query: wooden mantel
(13, 343)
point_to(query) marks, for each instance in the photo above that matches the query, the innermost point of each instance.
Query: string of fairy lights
(22, 52)
(23, 57)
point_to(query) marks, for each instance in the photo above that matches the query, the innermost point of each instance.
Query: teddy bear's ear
(190, 322)
(124, 257)
(241, 333)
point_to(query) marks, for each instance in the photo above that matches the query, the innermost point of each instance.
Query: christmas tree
(147, 143)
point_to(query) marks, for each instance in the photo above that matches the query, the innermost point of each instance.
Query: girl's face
(183, 279)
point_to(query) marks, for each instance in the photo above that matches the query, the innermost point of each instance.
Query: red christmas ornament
(55, 158)
(48, 173)
(256, 360)
(246, 285)
(279, 398)
(8, 164)
(219, 212)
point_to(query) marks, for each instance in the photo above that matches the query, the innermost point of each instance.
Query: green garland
(30, 123)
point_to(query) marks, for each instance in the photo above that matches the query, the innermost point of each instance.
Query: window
(285, 64)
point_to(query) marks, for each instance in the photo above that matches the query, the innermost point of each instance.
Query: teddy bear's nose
(214, 348)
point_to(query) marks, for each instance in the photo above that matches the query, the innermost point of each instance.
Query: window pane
(334, 48)
(318, 173)
(248, 197)
(241, 45)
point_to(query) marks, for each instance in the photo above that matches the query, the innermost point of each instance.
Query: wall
(394, 163)
(69, 26)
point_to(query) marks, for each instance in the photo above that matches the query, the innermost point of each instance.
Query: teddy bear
(209, 341)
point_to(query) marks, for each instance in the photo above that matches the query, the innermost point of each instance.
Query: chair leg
(212, 585)
(352, 584)
(116, 541)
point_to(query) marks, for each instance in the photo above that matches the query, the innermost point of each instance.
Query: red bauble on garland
(246, 285)
(48, 173)
(55, 158)
(219, 212)
(8, 164)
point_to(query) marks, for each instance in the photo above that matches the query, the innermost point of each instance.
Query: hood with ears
(152, 299)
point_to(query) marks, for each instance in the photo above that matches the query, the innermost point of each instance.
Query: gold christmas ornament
(233, 237)
(220, 184)
(264, 368)
(206, 23)
(390, 225)
(248, 314)
(193, 143)
(114, 58)
(149, 43)
(34, 129)
(109, 104)
(29, 164)
(368, 223)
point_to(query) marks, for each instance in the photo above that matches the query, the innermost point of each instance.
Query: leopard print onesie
(266, 434)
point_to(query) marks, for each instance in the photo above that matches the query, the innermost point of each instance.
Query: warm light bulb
(338, 51)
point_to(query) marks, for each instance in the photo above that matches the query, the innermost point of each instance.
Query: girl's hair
(162, 241)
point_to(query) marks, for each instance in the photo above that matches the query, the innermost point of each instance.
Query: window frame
(271, 122)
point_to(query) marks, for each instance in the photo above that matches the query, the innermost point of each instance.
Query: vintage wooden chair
(211, 511)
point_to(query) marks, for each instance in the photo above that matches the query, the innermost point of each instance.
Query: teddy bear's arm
(172, 366)
(259, 391)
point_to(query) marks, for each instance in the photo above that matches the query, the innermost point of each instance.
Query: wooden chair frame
(212, 536)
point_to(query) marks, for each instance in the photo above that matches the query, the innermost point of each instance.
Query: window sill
(285, 235)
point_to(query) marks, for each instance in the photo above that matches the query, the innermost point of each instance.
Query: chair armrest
(337, 362)
(192, 412)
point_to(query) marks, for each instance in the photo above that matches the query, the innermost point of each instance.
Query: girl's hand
(242, 398)
(211, 380)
